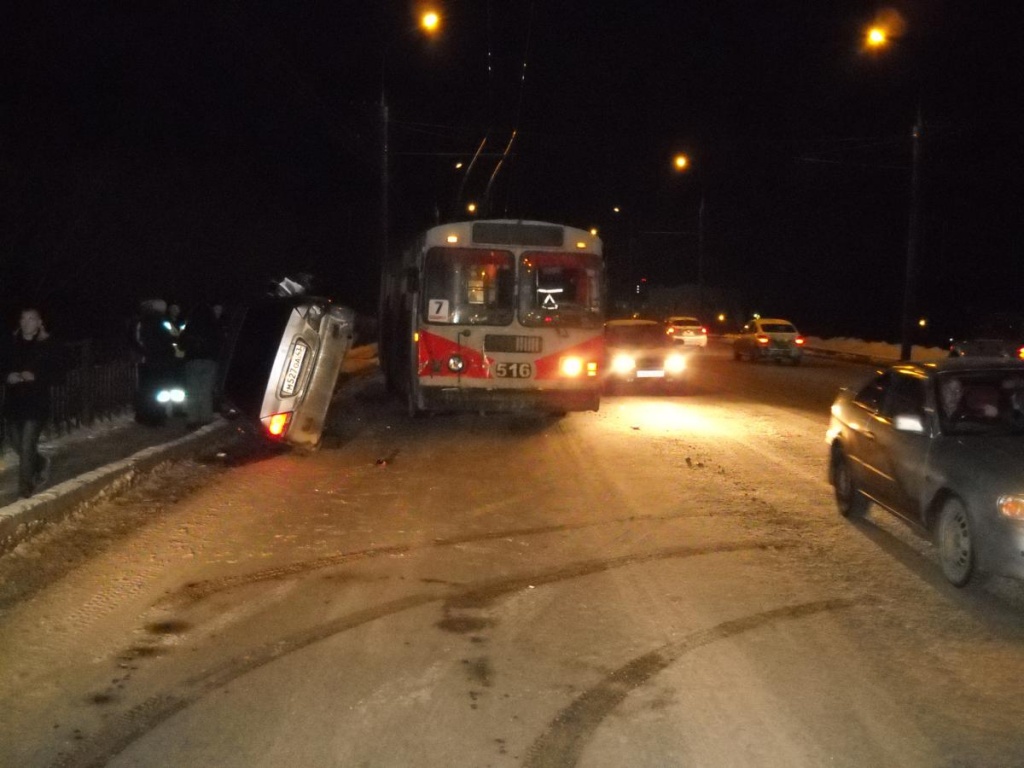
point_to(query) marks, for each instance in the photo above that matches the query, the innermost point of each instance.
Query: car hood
(632, 349)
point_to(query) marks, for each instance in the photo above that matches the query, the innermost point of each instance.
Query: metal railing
(88, 392)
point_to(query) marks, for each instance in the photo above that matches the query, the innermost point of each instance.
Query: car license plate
(291, 376)
(650, 374)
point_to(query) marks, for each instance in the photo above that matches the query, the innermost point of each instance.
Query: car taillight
(1020, 353)
(762, 339)
(704, 330)
(799, 341)
(277, 424)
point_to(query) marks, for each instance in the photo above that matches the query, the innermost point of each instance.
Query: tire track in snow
(563, 742)
(125, 728)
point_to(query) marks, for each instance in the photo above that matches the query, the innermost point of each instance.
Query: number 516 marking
(513, 370)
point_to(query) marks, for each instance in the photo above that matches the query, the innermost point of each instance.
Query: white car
(687, 331)
(769, 338)
(285, 354)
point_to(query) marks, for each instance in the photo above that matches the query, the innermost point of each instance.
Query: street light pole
(385, 216)
(913, 243)
(682, 164)
(429, 22)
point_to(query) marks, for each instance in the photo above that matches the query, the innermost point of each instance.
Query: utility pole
(913, 242)
(700, 258)
(384, 174)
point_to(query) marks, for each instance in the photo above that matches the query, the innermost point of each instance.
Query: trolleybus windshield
(469, 286)
(560, 289)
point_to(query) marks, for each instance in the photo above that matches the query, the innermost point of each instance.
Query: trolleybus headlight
(675, 364)
(623, 363)
(277, 424)
(456, 364)
(571, 366)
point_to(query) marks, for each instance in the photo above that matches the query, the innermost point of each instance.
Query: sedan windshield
(635, 336)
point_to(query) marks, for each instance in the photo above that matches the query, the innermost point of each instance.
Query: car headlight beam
(675, 364)
(623, 363)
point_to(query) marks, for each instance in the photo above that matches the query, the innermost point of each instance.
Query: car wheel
(850, 501)
(955, 539)
(795, 360)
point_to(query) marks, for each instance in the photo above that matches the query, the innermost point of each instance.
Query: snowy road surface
(662, 583)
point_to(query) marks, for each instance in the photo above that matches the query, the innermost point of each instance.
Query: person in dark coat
(28, 368)
(201, 342)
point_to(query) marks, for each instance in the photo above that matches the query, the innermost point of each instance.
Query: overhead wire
(519, 111)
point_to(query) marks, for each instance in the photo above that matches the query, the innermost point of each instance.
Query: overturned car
(283, 359)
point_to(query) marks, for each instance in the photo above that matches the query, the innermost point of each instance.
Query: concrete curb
(21, 519)
(18, 521)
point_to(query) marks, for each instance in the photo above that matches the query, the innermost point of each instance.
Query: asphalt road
(664, 582)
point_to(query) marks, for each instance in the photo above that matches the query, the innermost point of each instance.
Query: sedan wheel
(851, 502)
(955, 541)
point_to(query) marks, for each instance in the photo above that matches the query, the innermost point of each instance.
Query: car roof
(676, 318)
(963, 364)
(772, 320)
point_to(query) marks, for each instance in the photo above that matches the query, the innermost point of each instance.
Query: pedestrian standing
(200, 341)
(28, 368)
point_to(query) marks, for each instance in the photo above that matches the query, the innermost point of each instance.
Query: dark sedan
(941, 445)
(641, 351)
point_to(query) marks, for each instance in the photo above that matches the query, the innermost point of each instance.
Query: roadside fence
(97, 385)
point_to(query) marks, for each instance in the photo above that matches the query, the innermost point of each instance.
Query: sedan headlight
(675, 364)
(1011, 506)
(623, 363)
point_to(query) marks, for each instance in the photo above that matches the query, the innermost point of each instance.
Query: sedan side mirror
(909, 422)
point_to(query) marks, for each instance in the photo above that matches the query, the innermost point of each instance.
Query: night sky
(195, 150)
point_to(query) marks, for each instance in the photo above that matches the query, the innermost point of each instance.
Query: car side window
(872, 394)
(906, 397)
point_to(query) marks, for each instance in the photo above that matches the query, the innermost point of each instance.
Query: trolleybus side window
(468, 286)
(560, 289)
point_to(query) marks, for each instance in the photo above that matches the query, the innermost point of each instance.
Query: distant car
(941, 445)
(285, 354)
(641, 350)
(999, 335)
(769, 339)
(687, 331)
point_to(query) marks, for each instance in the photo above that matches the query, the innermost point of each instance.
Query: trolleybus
(495, 315)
